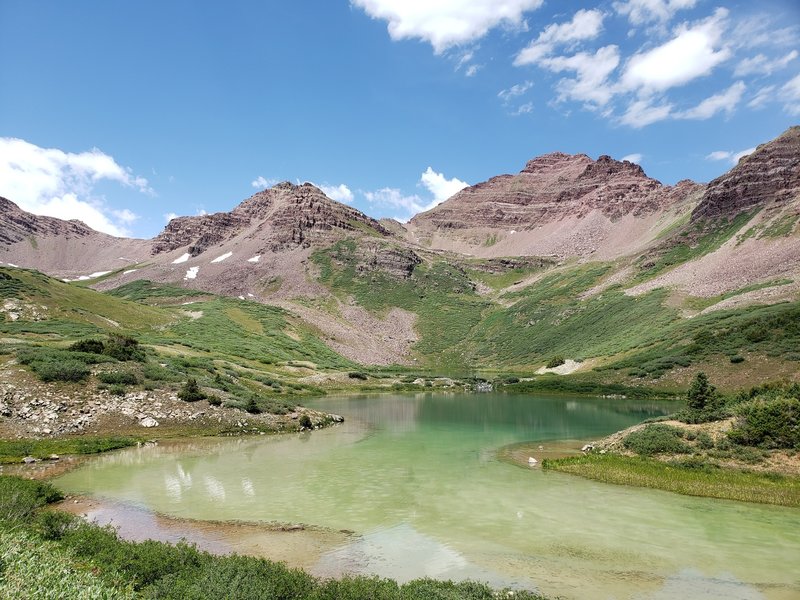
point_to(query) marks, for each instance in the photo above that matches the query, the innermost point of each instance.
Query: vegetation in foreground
(723, 451)
(45, 551)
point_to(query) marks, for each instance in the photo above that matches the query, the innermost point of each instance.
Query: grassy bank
(13, 451)
(683, 478)
(48, 553)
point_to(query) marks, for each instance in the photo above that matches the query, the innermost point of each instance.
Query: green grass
(251, 331)
(74, 311)
(33, 568)
(549, 318)
(703, 480)
(144, 289)
(13, 451)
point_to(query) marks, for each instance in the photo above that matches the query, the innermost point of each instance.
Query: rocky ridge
(768, 178)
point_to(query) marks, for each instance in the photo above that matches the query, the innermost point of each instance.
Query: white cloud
(719, 155)
(635, 158)
(441, 187)
(261, 183)
(732, 157)
(790, 95)
(741, 154)
(640, 12)
(340, 193)
(508, 94)
(761, 65)
(396, 199)
(49, 181)
(524, 109)
(585, 25)
(446, 23)
(642, 113)
(723, 102)
(170, 215)
(764, 95)
(472, 70)
(694, 52)
(592, 70)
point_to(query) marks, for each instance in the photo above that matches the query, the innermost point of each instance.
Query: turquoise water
(417, 478)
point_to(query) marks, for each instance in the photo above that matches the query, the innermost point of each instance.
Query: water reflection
(417, 478)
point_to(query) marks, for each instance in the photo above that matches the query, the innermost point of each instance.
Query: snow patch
(192, 272)
(250, 296)
(129, 271)
(182, 259)
(255, 259)
(223, 257)
(13, 265)
(241, 297)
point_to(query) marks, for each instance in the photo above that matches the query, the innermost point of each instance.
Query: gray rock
(29, 460)
(148, 422)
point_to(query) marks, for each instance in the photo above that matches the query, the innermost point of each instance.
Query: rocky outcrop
(283, 217)
(16, 225)
(549, 188)
(768, 178)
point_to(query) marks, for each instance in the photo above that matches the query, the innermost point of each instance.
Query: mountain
(559, 204)
(589, 259)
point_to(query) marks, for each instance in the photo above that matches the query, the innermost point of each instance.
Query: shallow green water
(418, 479)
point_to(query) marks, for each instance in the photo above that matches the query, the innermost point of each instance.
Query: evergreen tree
(701, 393)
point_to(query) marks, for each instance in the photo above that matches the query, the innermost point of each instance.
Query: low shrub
(556, 361)
(737, 358)
(118, 377)
(769, 423)
(117, 390)
(214, 400)
(252, 406)
(123, 348)
(305, 421)
(191, 392)
(656, 439)
(91, 346)
(20, 498)
(68, 370)
(358, 375)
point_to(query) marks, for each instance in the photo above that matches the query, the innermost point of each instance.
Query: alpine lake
(421, 485)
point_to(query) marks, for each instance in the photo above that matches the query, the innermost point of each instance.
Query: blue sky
(123, 114)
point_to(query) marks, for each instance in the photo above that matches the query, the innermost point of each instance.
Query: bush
(357, 375)
(118, 377)
(117, 390)
(737, 358)
(53, 524)
(123, 348)
(20, 498)
(769, 423)
(191, 392)
(705, 441)
(90, 346)
(252, 406)
(556, 361)
(214, 400)
(305, 421)
(656, 439)
(68, 370)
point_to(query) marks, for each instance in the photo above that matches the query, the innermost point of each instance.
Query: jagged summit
(283, 216)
